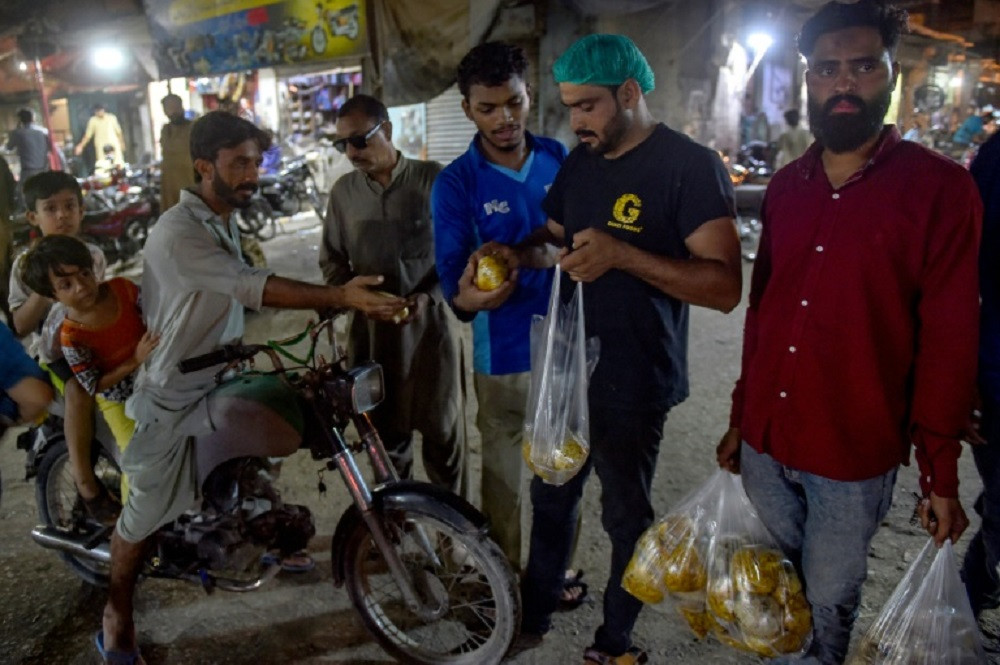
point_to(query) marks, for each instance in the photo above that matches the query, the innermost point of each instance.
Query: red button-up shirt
(861, 331)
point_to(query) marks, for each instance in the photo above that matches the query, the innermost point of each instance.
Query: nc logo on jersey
(496, 206)
(626, 212)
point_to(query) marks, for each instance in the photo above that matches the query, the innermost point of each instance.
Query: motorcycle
(121, 231)
(117, 213)
(416, 561)
(282, 194)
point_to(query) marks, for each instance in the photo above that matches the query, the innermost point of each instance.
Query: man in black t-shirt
(646, 217)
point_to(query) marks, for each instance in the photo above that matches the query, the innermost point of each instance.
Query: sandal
(572, 583)
(633, 656)
(299, 562)
(114, 657)
(102, 508)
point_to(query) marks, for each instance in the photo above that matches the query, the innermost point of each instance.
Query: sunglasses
(358, 142)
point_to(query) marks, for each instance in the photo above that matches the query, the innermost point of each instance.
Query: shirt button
(792, 349)
(819, 248)
(805, 303)
(836, 196)
(782, 394)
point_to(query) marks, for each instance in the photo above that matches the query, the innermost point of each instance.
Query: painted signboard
(199, 37)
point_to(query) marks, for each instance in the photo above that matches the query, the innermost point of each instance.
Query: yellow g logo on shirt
(625, 212)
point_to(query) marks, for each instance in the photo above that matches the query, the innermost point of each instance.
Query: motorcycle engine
(242, 516)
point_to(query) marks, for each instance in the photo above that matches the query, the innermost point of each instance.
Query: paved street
(47, 616)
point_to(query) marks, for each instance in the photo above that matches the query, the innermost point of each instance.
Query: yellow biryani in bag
(562, 464)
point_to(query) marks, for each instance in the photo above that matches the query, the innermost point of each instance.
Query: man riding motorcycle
(195, 289)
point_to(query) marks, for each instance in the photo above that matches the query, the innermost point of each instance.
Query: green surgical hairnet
(604, 60)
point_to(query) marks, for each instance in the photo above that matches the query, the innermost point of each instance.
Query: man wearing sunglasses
(379, 219)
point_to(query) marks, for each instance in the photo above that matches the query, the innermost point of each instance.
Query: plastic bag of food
(927, 620)
(669, 560)
(556, 429)
(754, 594)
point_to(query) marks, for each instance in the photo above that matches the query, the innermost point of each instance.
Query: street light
(23, 66)
(760, 42)
(107, 57)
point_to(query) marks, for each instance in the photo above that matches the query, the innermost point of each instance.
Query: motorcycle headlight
(366, 387)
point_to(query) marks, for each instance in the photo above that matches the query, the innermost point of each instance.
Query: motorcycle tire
(482, 616)
(257, 220)
(59, 505)
(253, 253)
(317, 201)
(137, 231)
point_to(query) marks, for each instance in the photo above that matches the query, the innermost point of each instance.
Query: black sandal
(571, 584)
(634, 656)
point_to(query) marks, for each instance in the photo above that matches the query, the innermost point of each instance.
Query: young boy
(54, 203)
(103, 337)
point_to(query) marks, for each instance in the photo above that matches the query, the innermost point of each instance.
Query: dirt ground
(48, 617)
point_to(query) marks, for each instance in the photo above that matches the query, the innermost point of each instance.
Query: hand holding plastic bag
(557, 428)
(754, 595)
(927, 619)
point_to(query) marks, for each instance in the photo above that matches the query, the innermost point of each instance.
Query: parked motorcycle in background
(283, 194)
(118, 212)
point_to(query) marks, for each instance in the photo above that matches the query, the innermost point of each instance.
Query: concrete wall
(688, 45)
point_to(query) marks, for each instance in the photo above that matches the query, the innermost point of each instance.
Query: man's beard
(844, 132)
(614, 132)
(228, 194)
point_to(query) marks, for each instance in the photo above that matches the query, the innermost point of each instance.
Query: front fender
(406, 495)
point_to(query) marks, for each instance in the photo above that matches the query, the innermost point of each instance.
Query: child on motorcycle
(54, 203)
(103, 336)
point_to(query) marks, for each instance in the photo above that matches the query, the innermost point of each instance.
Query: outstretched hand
(372, 304)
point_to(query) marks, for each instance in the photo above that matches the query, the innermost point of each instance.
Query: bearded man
(648, 215)
(195, 288)
(860, 336)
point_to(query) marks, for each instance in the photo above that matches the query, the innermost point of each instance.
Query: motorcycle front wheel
(256, 220)
(459, 572)
(60, 506)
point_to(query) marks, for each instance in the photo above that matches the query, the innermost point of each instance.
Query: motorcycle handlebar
(226, 354)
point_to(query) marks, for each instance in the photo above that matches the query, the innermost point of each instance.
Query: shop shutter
(448, 130)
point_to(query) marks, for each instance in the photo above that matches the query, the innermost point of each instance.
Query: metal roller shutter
(448, 130)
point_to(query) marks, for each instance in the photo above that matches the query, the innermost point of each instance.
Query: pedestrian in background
(860, 335)
(176, 168)
(646, 216)
(31, 142)
(793, 142)
(104, 130)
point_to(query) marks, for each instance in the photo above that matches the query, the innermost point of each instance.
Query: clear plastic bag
(754, 596)
(669, 560)
(927, 619)
(556, 428)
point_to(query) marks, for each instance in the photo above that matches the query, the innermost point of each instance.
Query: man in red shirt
(860, 335)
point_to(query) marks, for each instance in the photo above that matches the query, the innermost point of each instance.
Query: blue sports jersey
(474, 202)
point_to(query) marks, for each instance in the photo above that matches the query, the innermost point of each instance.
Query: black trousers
(623, 450)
